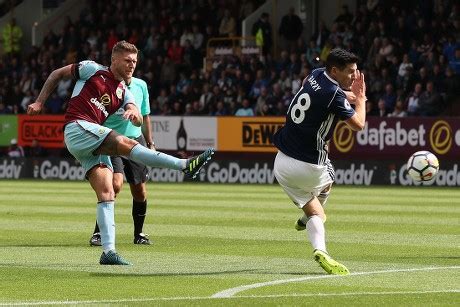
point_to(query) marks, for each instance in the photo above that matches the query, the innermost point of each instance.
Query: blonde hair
(124, 46)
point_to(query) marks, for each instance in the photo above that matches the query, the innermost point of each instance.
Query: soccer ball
(422, 166)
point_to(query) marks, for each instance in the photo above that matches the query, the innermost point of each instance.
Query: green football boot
(328, 264)
(194, 164)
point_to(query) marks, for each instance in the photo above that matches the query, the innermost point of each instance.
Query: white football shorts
(301, 180)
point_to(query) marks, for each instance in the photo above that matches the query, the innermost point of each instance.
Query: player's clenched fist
(34, 108)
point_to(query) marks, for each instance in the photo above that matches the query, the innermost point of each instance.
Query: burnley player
(136, 173)
(99, 92)
(302, 166)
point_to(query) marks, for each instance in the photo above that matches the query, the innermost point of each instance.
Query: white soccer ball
(422, 166)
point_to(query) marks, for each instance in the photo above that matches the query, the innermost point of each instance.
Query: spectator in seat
(245, 109)
(370, 110)
(399, 109)
(430, 102)
(175, 52)
(413, 100)
(15, 151)
(35, 149)
(227, 27)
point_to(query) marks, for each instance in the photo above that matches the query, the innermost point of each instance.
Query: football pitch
(230, 245)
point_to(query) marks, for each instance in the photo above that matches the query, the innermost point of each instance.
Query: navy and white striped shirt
(312, 117)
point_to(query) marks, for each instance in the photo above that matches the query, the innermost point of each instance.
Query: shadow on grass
(26, 245)
(432, 257)
(255, 272)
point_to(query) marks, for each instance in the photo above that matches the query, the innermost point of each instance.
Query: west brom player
(302, 166)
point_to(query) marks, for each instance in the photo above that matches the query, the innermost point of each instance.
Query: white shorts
(301, 180)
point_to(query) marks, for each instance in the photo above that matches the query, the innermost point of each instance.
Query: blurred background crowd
(410, 52)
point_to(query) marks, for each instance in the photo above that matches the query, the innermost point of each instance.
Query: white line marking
(232, 291)
(194, 298)
(229, 295)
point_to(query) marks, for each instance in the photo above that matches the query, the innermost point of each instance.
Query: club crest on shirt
(119, 93)
(347, 105)
(105, 100)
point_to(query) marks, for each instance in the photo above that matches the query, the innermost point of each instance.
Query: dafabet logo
(441, 137)
(343, 137)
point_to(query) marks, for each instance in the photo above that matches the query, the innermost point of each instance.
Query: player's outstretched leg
(191, 167)
(112, 258)
(328, 264)
(194, 164)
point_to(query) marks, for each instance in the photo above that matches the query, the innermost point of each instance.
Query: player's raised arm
(49, 86)
(358, 120)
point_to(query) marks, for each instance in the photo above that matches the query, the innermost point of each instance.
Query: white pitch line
(232, 291)
(252, 286)
(194, 298)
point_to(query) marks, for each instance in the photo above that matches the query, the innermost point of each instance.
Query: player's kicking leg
(194, 164)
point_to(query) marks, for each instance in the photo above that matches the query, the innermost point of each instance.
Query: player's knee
(124, 145)
(107, 194)
(117, 188)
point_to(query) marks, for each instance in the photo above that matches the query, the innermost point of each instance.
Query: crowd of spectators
(410, 53)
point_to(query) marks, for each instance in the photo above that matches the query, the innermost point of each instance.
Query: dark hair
(340, 58)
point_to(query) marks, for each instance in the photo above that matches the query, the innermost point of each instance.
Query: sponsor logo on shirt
(99, 105)
(105, 100)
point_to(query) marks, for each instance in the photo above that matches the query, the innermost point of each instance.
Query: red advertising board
(397, 138)
(47, 129)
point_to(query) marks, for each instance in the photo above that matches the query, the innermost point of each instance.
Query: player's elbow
(360, 126)
(357, 122)
(356, 125)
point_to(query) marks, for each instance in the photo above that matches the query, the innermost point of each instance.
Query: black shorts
(135, 173)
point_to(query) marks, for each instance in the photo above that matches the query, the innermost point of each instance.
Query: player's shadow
(430, 257)
(25, 245)
(253, 271)
(106, 274)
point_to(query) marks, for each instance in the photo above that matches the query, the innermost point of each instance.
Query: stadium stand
(420, 46)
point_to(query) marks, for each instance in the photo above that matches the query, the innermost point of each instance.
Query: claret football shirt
(96, 94)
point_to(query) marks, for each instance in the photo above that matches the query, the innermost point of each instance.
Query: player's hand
(359, 86)
(34, 108)
(133, 116)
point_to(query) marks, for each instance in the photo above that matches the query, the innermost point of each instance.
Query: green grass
(402, 246)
